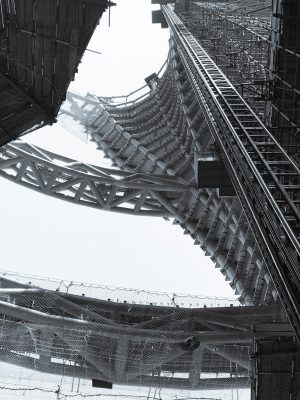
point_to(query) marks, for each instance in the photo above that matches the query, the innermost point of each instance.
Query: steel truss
(102, 188)
(129, 344)
(266, 179)
(153, 142)
(82, 184)
(143, 147)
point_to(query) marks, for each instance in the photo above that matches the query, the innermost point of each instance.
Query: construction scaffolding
(256, 44)
(42, 42)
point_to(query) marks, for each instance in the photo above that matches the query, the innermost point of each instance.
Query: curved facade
(160, 135)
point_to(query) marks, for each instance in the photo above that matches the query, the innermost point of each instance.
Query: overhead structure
(215, 146)
(196, 120)
(165, 145)
(217, 225)
(124, 343)
(42, 42)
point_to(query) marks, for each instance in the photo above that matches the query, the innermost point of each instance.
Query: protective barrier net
(64, 340)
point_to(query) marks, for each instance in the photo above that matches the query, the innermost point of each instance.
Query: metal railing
(133, 97)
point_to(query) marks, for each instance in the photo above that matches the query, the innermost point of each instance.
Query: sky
(48, 237)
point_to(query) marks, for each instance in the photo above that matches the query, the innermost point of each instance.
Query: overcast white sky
(48, 237)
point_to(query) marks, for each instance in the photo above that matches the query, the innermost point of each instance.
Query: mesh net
(61, 339)
(117, 294)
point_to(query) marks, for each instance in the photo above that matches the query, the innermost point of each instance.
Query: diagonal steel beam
(121, 359)
(196, 364)
(81, 347)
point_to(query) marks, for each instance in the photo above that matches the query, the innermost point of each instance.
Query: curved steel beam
(102, 188)
(42, 330)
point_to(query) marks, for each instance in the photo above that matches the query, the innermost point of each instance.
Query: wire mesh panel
(119, 295)
(66, 339)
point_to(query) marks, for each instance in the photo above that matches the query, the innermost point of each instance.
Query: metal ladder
(266, 178)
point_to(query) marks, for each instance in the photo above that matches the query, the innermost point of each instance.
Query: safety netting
(63, 340)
